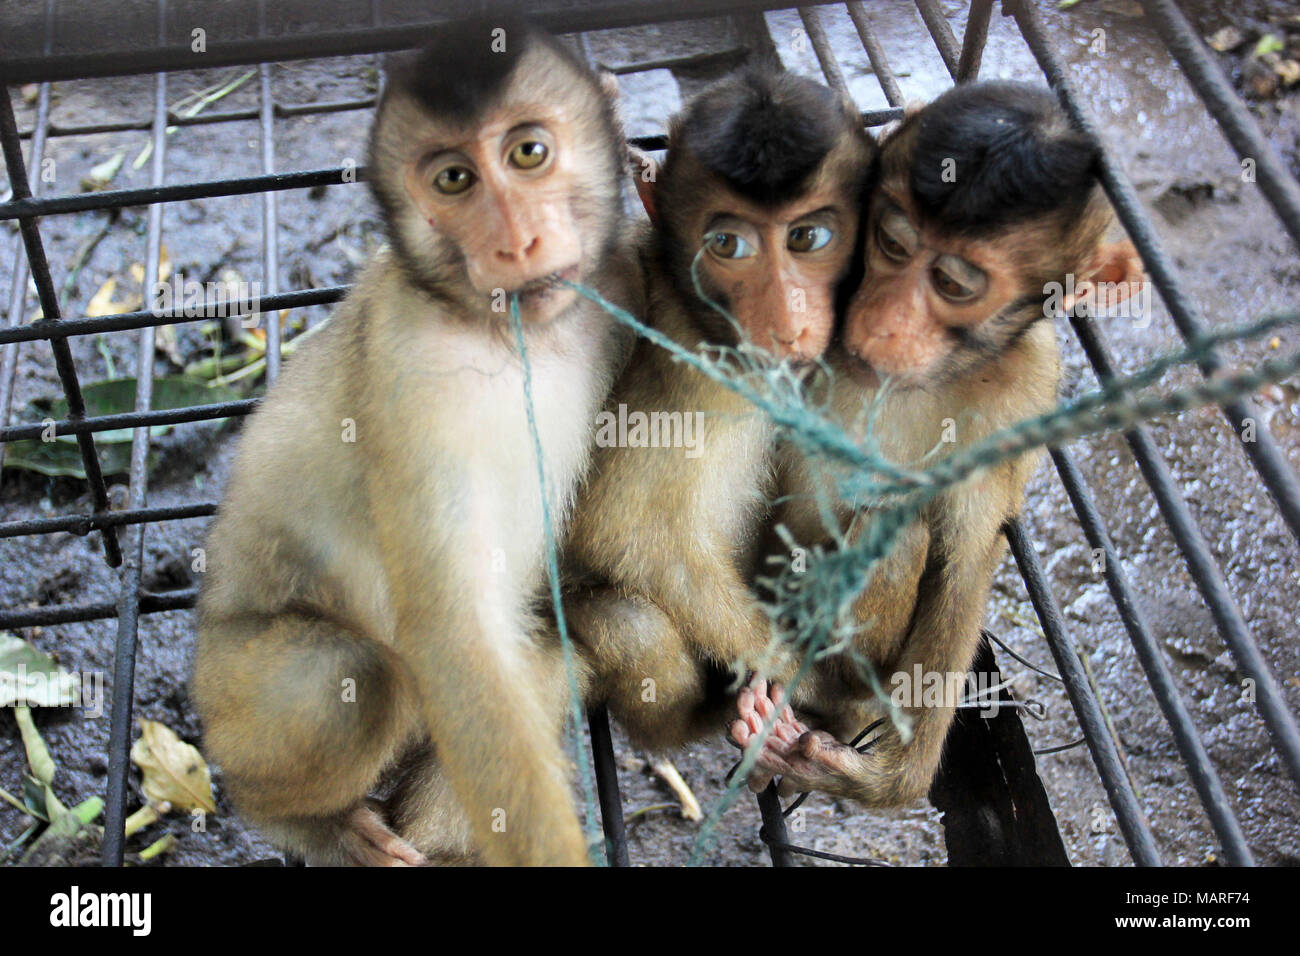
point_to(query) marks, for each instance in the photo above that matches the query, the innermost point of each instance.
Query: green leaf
(62, 457)
(116, 396)
(1269, 43)
(31, 678)
(59, 460)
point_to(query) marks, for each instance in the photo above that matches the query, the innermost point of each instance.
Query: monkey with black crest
(986, 200)
(373, 576)
(758, 199)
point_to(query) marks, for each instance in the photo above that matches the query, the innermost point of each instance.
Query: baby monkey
(379, 553)
(758, 199)
(986, 199)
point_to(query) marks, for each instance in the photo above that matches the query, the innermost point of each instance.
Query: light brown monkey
(376, 566)
(763, 173)
(986, 203)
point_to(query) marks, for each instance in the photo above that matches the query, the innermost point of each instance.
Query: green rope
(553, 569)
(812, 603)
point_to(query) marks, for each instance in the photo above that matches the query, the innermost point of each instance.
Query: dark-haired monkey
(380, 546)
(764, 174)
(986, 202)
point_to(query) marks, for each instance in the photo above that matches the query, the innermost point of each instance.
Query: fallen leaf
(30, 678)
(103, 303)
(1229, 38)
(136, 269)
(174, 771)
(1289, 71)
(101, 175)
(62, 457)
(1269, 43)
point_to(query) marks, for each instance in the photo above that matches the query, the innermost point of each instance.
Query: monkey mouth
(542, 286)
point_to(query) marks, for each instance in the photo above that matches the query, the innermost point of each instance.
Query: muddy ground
(1236, 265)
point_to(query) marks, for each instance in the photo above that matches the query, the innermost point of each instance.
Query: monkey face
(511, 200)
(775, 268)
(932, 305)
(501, 193)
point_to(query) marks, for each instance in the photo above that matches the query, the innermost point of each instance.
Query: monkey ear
(645, 176)
(1115, 271)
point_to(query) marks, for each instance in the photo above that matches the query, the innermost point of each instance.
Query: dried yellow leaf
(174, 771)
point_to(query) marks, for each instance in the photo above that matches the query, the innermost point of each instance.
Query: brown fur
(409, 561)
(663, 544)
(924, 603)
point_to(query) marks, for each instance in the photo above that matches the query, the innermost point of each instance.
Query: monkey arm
(940, 643)
(494, 728)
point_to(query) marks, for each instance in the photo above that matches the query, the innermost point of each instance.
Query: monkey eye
(453, 180)
(891, 247)
(728, 245)
(529, 154)
(808, 238)
(895, 235)
(957, 280)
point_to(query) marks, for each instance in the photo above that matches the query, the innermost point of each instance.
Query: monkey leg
(427, 815)
(303, 715)
(654, 683)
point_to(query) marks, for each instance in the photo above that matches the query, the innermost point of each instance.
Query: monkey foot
(368, 841)
(804, 759)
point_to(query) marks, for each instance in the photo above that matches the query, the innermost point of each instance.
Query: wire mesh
(122, 531)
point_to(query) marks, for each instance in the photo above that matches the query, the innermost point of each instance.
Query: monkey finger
(811, 744)
(777, 694)
(745, 701)
(786, 732)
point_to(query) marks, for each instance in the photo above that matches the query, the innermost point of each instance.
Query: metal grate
(122, 531)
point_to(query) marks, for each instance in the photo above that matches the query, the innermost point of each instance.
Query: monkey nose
(520, 248)
(792, 340)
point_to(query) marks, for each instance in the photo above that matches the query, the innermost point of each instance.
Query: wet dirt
(1235, 264)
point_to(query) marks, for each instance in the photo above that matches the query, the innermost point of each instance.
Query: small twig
(666, 772)
(635, 815)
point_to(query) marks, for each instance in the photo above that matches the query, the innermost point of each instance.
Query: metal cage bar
(962, 62)
(128, 603)
(1268, 459)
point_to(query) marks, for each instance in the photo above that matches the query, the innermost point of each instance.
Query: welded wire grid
(122, 531)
